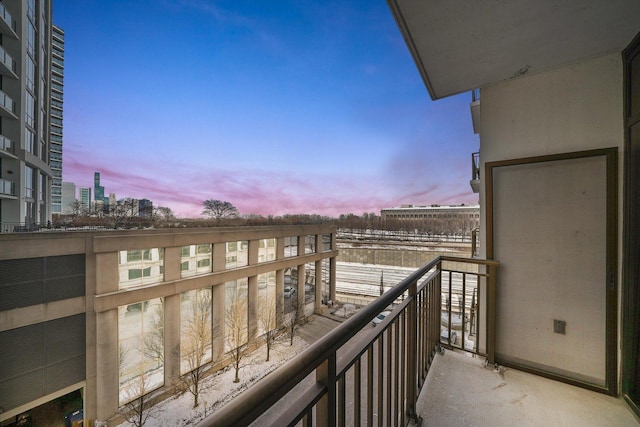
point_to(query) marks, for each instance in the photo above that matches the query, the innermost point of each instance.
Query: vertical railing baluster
(370, 386)
(380, 376)
(449, 305)
(357, 374)
(341, 401)
(464, 306)
(403, 364)
(412, 377)
(396, 370)
(388, 372)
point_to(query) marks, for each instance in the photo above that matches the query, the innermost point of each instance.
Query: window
(141, 348)
(237, 254)
(195, 329)
(266, 250)
(309, 244)
(140, 267)
(326, 242)
(29, 190)
(196, 259)
(291, 246)
(236, 315)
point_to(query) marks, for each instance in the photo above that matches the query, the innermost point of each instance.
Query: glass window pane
(141, 348)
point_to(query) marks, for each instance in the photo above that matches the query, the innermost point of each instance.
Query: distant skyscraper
(85, 197)
(25, 101)
(98, 190)
(68, 196)
(145, 208)
(55, 147)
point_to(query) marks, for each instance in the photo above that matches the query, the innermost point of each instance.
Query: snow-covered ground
(219, 388)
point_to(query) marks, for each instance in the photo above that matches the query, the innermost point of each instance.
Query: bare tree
(162, 213)
(236, 334)
(123, 213)
(268, 308)
(196, 334)
(137, 409)
(293, 318)
(154, 337)
(218, 209)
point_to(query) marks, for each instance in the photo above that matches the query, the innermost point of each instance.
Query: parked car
(380, 317)
(288, 291)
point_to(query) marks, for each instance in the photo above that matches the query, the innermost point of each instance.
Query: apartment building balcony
(398, 372)
(475, 172)
(7, 23)
(7, 64)
(6, 147)
(7, 106)
(7, 189)
(475, 110)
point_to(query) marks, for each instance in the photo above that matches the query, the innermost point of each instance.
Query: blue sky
(279, 107)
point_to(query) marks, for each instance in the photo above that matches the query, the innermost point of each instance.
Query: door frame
(611, 321)
(630, 273)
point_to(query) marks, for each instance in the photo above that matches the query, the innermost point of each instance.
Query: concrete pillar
(318, 281)
(280, 248)
(279, 298)
(253, 251)
(107, 358)
(219, 256)
(253, 307)
(107, 273)
(332, 279)
(301, 273)
(172, 258)
(217, 319)
(171, 339)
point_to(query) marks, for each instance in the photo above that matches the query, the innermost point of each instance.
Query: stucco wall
(575, 108)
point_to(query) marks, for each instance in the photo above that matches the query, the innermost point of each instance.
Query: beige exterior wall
(103, 296)
(575, 108)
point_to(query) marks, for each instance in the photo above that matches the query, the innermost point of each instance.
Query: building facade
(442, 212)
(68, 197)
(84, 196)
(55, 138)
(25, 77)
(80, 310)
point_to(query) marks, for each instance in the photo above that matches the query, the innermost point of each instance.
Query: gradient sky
(279, 107)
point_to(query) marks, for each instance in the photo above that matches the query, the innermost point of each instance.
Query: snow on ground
(219, 388)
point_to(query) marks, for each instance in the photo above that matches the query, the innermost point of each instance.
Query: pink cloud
(183, 188)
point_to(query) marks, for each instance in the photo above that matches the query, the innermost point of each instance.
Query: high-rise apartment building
(55, 138)
(85, 198)
(68, 197)
(25, 99)
(98, 190)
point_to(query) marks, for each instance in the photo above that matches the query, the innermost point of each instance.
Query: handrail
(322, 355)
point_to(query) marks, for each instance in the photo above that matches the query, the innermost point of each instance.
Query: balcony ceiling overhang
(459, 45)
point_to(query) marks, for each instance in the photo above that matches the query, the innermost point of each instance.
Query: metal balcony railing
(362, 375)
(475, 166)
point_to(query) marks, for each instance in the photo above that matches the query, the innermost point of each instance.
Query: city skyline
(278, 109)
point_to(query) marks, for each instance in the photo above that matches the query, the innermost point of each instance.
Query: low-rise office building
(103, 312)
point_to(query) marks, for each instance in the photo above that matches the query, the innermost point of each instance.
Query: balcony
(7, 106)
(475, 110)
(7, 64)
(7, 188)
(475, 172)
(397, 373)
(7, 23)
(6, 147)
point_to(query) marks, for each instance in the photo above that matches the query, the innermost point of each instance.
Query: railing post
(412, 351)
(491, 315)
(326, 406)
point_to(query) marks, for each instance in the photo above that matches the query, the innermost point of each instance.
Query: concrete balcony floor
(461, 392)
